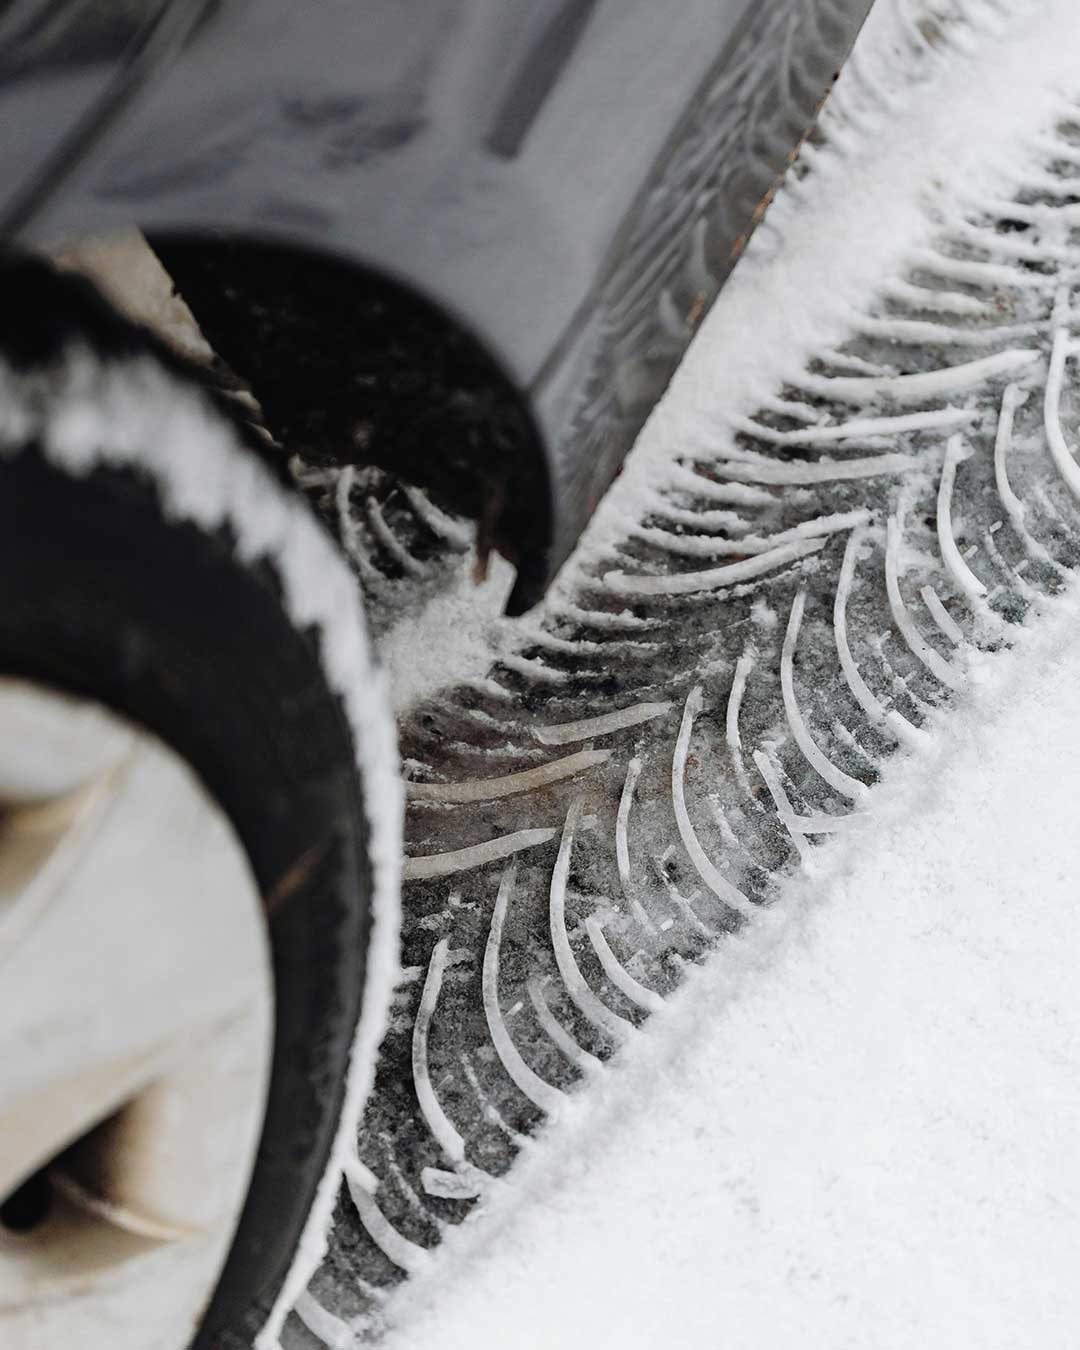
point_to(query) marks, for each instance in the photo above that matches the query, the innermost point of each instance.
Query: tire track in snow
(918, 482)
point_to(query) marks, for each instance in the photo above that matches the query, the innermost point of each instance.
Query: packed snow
(859, 1131)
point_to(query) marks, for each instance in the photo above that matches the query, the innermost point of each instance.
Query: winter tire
(150, 564)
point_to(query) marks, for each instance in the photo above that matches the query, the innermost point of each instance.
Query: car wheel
(198, 845)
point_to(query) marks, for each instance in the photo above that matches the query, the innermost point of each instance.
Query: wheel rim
(135, 1030)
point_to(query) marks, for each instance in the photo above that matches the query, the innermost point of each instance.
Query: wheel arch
(351, 364)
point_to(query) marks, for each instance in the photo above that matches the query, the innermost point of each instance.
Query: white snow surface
(860, 1130)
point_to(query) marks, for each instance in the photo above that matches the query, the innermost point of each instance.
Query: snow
(451, 638)
(826, 242)
(860, 1130)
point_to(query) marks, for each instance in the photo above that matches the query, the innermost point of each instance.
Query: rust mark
(294, 876)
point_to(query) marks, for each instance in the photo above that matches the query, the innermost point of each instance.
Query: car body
(467, 240)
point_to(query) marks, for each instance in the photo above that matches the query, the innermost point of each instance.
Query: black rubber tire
(103, 595)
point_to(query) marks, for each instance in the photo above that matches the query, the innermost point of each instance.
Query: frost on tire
(750, 633)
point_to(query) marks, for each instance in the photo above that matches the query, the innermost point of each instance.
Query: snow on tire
(152, 564)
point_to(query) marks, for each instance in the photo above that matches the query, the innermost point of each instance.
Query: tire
(149, 562)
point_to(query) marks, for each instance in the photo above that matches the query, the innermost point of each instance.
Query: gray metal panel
(365, 129)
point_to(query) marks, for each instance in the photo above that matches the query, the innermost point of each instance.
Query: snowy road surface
(859, 1131)
(707, 1029)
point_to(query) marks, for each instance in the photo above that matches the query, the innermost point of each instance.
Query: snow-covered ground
(859, 1130)
(740, 913)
